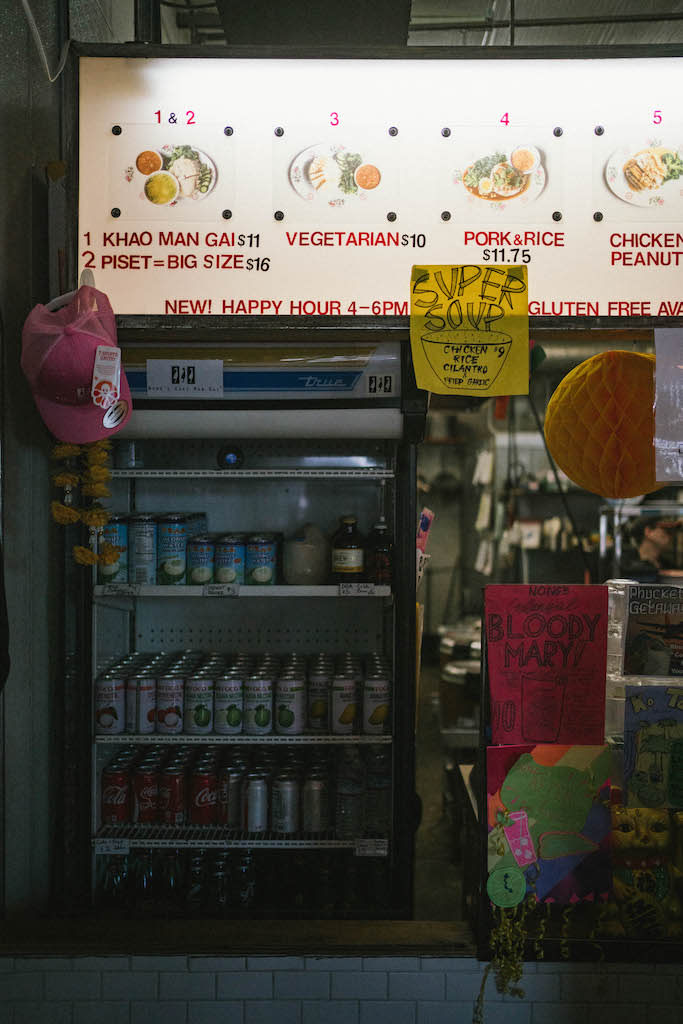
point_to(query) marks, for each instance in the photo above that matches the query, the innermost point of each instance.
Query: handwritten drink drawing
(469, 329)
(546, 658)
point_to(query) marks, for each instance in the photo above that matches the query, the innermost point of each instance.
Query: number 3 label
(334, 118)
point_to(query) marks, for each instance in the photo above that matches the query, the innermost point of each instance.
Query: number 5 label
(657, 117)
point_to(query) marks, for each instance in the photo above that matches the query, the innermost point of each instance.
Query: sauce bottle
(380, 553)
(348, 553)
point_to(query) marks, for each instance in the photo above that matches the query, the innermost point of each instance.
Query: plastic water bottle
(348, 817)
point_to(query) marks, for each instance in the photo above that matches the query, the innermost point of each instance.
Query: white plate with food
(173, 173)
(652, 176)
(500, 176)
(333, 174)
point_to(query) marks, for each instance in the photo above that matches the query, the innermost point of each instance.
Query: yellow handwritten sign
(469, 329)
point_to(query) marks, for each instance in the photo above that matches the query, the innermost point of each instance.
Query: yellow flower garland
(86, 467)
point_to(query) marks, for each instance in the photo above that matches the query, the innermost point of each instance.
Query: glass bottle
(350, 789)
(380, 553)
(348, 552)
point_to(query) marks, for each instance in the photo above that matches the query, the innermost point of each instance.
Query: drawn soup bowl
(466, 357)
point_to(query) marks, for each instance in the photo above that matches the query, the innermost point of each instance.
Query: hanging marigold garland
(83, 476)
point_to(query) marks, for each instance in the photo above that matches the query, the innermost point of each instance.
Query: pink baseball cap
(58, 349)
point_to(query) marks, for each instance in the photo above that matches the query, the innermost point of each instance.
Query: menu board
(311, 187)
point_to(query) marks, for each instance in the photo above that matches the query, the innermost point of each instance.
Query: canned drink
(200, 561)
(258, 704)
(110, 704)
(285, 804)
(376, 703)
(228, 704)
(229, 558)
(315, 811)
(290, 705)
(146, 794)
(172, 795)
(255, 802)
(142, 549)
(318, 700)
(115, 795)
(203, 796)
(261, 560)
(115, 532)
(230, 795)
(171, 549)
(344, 703)
(198, 705)
(197, 523)
(170, 704)
(141, 704)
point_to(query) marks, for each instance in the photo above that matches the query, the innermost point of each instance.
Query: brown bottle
(348, 552)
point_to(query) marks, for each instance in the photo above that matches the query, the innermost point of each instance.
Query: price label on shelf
(121, 589)
(372, 848)
(108, 846)
(356, 589)
(221, 590)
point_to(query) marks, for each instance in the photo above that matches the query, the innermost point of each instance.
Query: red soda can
(115, 796)
(203, 802)
(172, 795)
(146, 794)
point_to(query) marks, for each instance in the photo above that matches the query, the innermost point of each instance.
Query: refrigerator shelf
(212, 739)
(112, 839)
(238, 590)
(357, 473)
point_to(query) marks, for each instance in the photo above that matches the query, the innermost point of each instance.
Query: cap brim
(80, 424)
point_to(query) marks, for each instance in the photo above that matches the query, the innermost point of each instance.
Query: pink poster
(546, 649)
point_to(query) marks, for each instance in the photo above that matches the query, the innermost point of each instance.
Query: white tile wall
(326, 990)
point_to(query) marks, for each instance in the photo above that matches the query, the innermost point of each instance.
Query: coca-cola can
(255, 802)
(172, 795)
(115, 795)
(230, 795)
(203, 801)
(146, 794)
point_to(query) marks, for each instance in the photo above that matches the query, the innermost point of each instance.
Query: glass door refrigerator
(244, 670)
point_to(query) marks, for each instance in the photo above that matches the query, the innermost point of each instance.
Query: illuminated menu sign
(312, 187)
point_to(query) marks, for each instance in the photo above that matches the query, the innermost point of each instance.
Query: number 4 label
(505, 119)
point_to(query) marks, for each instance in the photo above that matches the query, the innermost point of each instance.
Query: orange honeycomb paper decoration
(599, 424)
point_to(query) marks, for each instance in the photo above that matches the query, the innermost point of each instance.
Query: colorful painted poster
(653, 746)
(548, 823)
(653, 637)
(469, 329)
(546, 651)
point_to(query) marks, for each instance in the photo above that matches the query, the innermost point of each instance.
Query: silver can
(142, 549)
(230, 558)
(315, 801)
(110, 704)
(171, 549)
(198, 705)
(141, 703)
(170, 693)
(230, 795)
(344, 703)
(376, 703)
(228, 704)
(290, 704)
(318, 700)
(114, 533)
(200, 561)
(258, 704)
(285, 804)
(255, 802)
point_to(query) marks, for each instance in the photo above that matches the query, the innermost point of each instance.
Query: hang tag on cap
(106, 377)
